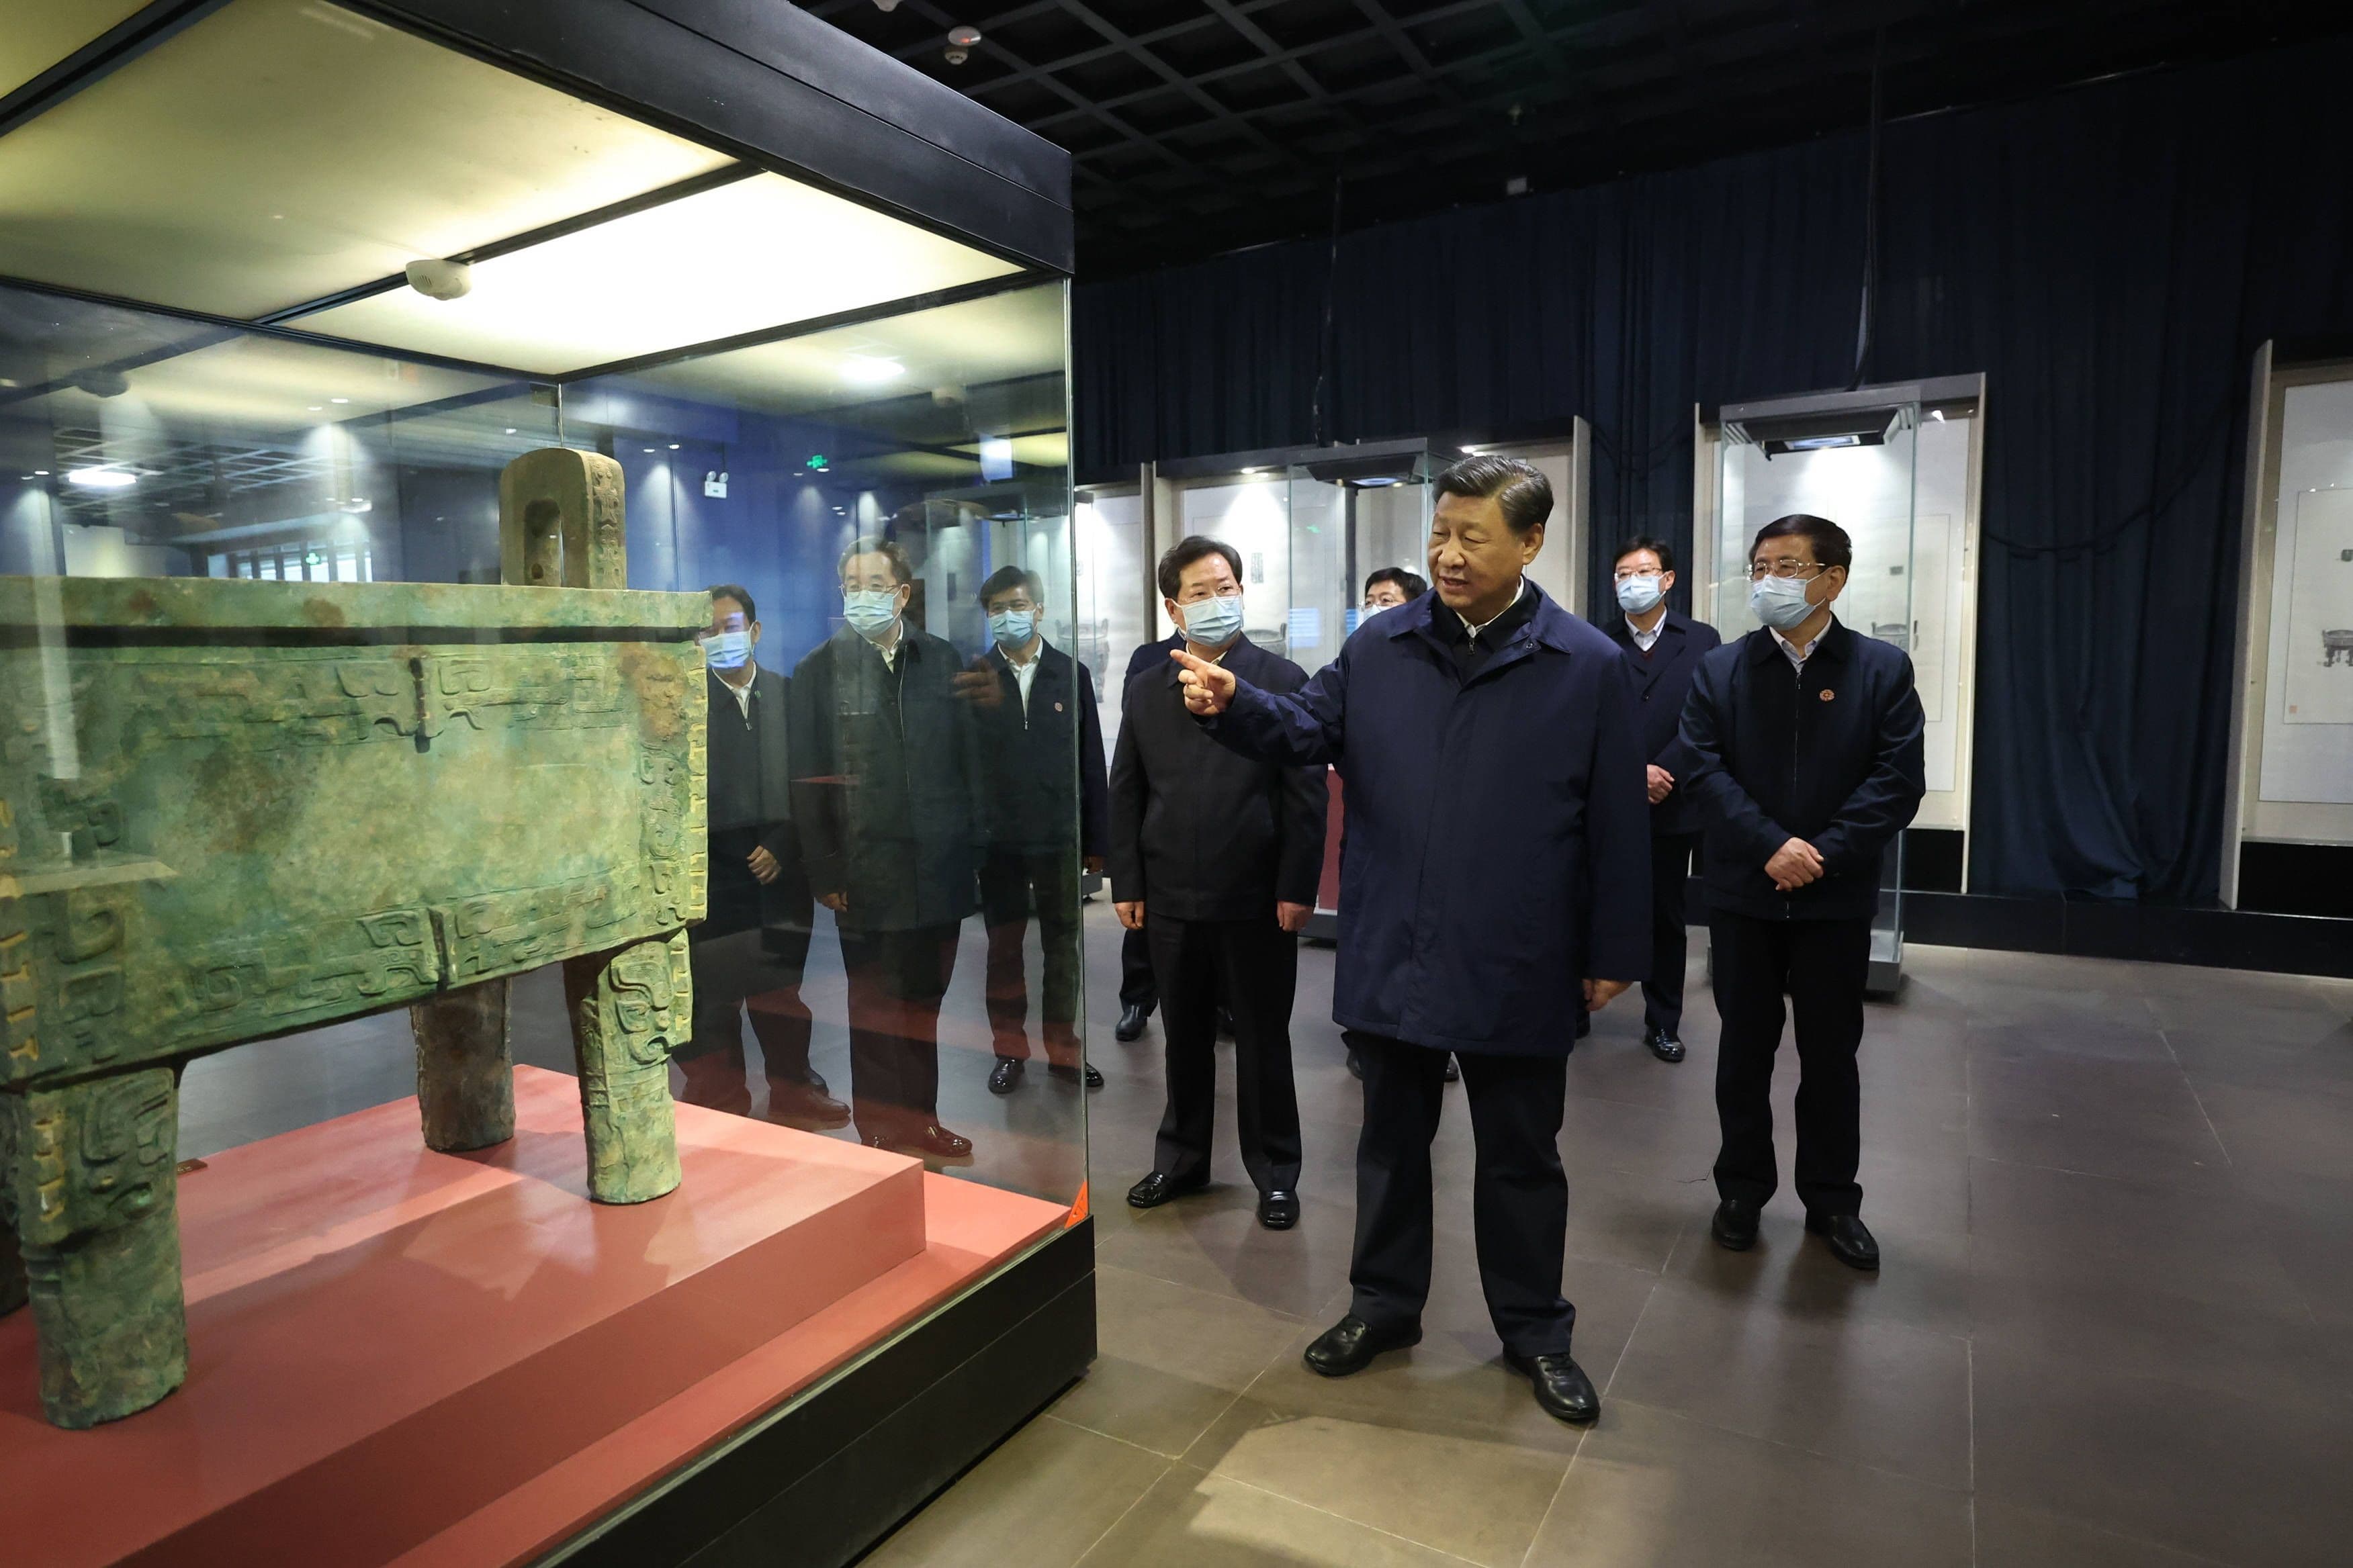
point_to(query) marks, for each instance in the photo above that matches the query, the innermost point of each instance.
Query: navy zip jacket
(1662, 680)
(1482, 817)
(1831, 755)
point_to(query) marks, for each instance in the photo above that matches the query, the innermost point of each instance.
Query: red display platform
(399, 1357)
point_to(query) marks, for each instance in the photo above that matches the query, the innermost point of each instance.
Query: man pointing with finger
(1495, 780)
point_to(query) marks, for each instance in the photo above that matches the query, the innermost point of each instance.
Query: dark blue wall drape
(2110, 257)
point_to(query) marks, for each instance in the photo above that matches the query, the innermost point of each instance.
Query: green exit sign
(818, 462)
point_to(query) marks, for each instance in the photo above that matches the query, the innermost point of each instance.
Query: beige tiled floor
(2117, 1204)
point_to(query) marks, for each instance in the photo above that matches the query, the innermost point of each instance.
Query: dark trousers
(756, 971)
(1014, 883)
(1820, 966)
(1662, 993)
(1254, 965)
(896, 979)
(1136, 988)
(1519, 1195)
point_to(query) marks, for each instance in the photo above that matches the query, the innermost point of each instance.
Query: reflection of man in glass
(1389, 587)
(884, 770)
(1043, 816)
(750, 948)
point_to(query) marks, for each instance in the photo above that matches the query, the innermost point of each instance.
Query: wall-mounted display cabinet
(384, 389)
(1897, 467)
(2288, 818)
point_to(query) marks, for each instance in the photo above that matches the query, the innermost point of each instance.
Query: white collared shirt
(1647, 641)
(1518, 593)
(1024, 674)
(742, 695)
(1797, 656)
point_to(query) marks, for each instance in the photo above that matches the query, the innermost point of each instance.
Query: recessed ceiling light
(673, 446)
(318, 408)
(511, 429)
(41, 473)
(649, 451)
(339, 400)
(102, 479)
(864, 370)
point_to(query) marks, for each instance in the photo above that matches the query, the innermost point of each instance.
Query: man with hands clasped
(1494, 779)
(1807, 743)
(1663, 647)
(1215, 858)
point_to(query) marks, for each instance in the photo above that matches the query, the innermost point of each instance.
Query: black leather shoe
(806, 1105)
(1006, 1076)
(1350, 1345)
(1735, 1226)
(1160, 1187)
(1087, 1074)
(931, 1141)
(1563, 1390)
(1131, 1023)
(1849, 1242)
(1453, 1069)
(1278, 1209)
(1664, 1046)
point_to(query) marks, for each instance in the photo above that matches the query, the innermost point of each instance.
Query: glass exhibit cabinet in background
(2288, 818)
(1896, 467)
(517, 530)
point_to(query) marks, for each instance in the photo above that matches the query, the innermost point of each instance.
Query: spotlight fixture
(886, 6)
(1782, 435)
(438, 279)
(102, 479)
(99, 382)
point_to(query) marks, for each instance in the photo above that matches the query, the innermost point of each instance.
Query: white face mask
(870, 611)
(727, 650)
(1640, 593)
(1780, 601)
(1212, 623)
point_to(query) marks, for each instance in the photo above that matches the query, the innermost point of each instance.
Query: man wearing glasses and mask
(1045, 821)
(886, 794)
(1806, 740)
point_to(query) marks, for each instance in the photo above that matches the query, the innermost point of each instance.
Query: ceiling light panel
(943, 353)
(40, 33)
(279, 151)
(761, 252)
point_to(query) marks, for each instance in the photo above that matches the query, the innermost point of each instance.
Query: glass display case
(518, 823)
(2289, 818)
(1896, 467)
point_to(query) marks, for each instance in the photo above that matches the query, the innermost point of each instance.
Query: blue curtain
(2110, 257)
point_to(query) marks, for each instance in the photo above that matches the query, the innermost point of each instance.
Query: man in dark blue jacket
(1494, 885)
(1807, 739)
(1041, 767)
(1663, 647)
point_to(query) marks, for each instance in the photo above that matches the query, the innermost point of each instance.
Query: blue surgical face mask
(1639, 593)
(1212, 623)
(1780, 601)
(870, 611)
(727, 650)
(1013, 628)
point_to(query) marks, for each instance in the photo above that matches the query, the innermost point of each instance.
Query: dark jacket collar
(1241, 654)
(1670, 623)
(1548, 625)
(1837, 642)
(1050, 657)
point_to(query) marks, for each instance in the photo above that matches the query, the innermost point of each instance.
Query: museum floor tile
(2116, 1206)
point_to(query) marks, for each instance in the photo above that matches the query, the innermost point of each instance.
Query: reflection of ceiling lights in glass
(864, 370)
(1820, 443)
(102, 479)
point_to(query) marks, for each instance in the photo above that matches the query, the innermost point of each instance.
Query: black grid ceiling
(1202, 125)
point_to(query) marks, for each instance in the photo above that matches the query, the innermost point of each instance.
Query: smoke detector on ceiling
(960, 43)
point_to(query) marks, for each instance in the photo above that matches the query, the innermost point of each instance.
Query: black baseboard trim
(818, 1482)
(2154, 934)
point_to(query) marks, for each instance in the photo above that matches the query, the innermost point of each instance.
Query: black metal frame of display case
(816, 1481)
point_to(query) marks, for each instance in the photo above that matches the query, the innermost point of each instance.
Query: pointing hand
(1208, 688)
